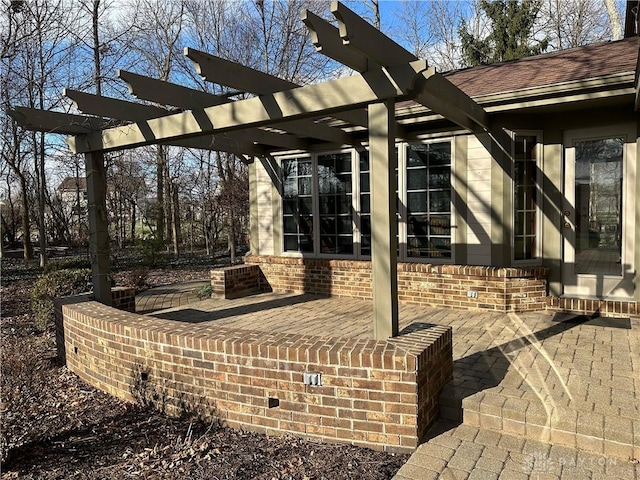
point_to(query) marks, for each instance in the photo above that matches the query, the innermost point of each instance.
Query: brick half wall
(457, 286)
(378, 394)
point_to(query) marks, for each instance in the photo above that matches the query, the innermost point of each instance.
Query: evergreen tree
(511, 34)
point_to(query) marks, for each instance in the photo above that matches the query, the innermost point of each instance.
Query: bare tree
(155, 40)
(34, 50)
(572, 23)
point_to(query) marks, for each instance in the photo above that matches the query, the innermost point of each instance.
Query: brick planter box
(379, 394)
(457, 286)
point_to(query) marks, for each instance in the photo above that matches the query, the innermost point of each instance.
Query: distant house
(73, 195)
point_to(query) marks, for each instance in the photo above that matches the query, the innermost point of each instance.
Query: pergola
(281, 116)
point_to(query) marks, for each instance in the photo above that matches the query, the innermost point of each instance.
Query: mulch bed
(55, 426)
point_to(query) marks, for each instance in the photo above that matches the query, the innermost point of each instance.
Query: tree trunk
(26, 221)
(177, 237)
(133, 223)
(160, 167)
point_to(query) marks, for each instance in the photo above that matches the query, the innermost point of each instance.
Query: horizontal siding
(478, 203)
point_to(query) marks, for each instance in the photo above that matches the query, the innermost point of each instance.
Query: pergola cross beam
(47, 121)
(361, 36)
(298, 103)
(167, 93)
(137, 112)
(246, 79)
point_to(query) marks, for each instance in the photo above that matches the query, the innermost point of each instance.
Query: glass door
(596, 255)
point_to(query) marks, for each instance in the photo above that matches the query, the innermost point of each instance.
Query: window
(297, 205)
(525, 225)
(428, 181)
(335, 203)
(365, 204)
(327, 203)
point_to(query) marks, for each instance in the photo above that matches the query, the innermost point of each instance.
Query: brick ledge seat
(378, 394)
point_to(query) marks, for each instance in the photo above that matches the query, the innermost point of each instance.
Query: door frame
(609, 287)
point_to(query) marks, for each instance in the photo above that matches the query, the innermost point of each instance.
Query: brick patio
(539, 393)
(536, 393)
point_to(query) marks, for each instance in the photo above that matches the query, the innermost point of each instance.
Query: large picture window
(327, 203)
(336, 204)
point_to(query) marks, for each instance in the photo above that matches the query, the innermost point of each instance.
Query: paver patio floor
(533, 379)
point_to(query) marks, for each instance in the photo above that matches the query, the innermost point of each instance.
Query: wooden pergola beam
(219, 70)
(137, 112)
(166, 93)
(246, 79)
(298, 103)
(112, 107)
(443, 97)
(326, 39)
(56, 122)
(222, 143)
(367, 40)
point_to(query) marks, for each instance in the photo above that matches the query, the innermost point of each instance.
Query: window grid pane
(365, 204)
(297, 211)
(429, 200)
(525, 197)
(335, 200)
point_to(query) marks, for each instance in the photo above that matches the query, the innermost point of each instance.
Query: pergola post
(98, 227)
(384, 257)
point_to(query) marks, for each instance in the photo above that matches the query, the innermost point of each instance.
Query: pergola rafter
(281, 117)
(246, 79)
(264, 110)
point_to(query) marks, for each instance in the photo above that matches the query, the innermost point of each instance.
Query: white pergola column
(98, 226)
(384, 257)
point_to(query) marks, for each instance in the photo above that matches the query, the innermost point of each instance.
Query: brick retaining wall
(235, 281)
(122, 298)
(498, 289)
(379, 394)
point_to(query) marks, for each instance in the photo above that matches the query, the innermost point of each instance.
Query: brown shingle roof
(69, 183)
(551, 68)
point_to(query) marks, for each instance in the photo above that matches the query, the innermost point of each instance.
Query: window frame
(356, 220)
(537, 258)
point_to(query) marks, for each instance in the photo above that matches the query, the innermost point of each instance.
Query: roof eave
(594, 88)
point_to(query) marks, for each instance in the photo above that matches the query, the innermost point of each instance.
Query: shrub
(136, 278)
(59, 283)
(153, 252)
(67, 264)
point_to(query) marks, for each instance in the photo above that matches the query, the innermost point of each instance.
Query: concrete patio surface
(534, 395)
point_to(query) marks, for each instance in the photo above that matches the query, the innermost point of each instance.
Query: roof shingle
(579, 63)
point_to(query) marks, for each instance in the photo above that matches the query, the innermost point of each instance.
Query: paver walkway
(539, 398)
(541, 395)
(168, 296)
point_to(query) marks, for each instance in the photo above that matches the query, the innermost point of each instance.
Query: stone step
(468, 452)
(601, 428)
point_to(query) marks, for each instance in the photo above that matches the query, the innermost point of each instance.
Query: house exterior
(509, 187)
(73, 196)
(506, 187)
(557, 203)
